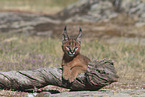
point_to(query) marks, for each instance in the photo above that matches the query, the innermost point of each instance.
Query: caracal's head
(71, 46)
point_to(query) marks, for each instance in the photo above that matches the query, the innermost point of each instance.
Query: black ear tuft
(78, 39)
(64, 36)
(65, 28)
(80, 30)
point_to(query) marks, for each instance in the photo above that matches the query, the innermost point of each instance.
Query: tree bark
(98, 75)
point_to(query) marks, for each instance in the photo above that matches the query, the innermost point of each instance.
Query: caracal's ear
(78, 38)
(65, 36)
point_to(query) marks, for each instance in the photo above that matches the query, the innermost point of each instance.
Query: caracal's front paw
(65, 76)
(71, 79)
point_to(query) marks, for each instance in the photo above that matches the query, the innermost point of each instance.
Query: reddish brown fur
(72, 65)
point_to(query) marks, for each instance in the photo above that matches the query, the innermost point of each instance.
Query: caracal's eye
(76, 48)
(67, 47)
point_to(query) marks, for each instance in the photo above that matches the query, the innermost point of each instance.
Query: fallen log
(98, 75)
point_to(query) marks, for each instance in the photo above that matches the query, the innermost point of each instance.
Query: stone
(103, 10)
(23, 22)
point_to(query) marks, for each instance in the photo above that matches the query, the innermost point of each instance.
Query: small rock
(43, 94)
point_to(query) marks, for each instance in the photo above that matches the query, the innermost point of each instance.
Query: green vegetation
(46, 6)
(19, 52)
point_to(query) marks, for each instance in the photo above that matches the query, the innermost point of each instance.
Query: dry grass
(19, 52)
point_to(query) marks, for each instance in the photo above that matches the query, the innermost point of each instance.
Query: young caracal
(73, 62)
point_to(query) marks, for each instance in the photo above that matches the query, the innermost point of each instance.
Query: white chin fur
(71, 55)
